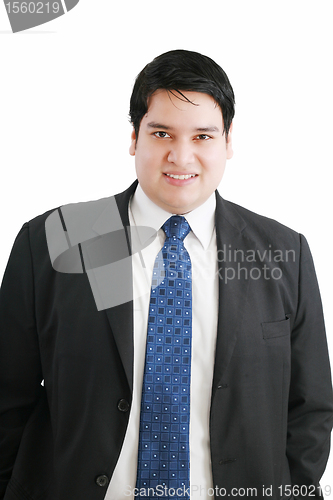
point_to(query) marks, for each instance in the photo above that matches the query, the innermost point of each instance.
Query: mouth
(181, 176)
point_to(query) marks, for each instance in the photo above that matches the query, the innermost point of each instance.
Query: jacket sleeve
(310, 412)
(20, 367)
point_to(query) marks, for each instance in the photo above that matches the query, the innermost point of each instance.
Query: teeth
(181, 176)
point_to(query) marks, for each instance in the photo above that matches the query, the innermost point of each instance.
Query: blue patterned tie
(164, 458)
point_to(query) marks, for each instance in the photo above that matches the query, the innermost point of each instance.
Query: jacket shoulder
(259, 227)
(80, 208)
(87, 211)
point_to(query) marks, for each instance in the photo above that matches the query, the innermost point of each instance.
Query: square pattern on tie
(165, 407)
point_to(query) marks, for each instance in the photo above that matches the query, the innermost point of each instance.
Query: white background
(64, 99)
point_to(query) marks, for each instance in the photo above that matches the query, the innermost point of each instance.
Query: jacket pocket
(273, 329)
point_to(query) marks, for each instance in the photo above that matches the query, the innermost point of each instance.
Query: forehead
(170, 106)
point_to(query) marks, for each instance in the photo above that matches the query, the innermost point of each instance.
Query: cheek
(214, 156)
(147, 168)
(214, 165)
(148, 159)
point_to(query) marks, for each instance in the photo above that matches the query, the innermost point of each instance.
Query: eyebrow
(158, 125)
(166, 127)
(208, 129)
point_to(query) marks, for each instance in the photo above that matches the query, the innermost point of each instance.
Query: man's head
(181, 109)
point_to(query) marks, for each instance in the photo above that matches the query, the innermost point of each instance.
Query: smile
(188, 176)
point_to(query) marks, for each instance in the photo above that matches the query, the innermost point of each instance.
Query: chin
(180, 209)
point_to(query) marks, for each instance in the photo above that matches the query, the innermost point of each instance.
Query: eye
(161, 134)
(203, 137)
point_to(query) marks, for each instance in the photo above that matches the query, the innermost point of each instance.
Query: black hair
(185, 70)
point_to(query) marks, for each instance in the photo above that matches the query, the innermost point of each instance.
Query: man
(250, 403)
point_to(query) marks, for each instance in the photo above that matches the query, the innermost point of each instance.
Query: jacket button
(102, 480)
(123, 405)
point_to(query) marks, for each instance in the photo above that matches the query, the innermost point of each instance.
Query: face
(181, 150)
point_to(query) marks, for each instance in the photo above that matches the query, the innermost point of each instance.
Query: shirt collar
(201, 220)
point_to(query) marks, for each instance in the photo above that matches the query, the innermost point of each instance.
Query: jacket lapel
(121, 316)
(233, 285)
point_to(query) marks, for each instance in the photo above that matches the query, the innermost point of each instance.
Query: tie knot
(177, 226)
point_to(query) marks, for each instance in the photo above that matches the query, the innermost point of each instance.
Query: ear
(229, 143)
(133, 143)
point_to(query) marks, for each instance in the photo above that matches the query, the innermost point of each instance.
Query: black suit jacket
(271, 404)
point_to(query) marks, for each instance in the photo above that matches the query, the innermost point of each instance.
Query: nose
(181, 154)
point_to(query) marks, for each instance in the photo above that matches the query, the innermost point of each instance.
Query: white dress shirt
(201, 246)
